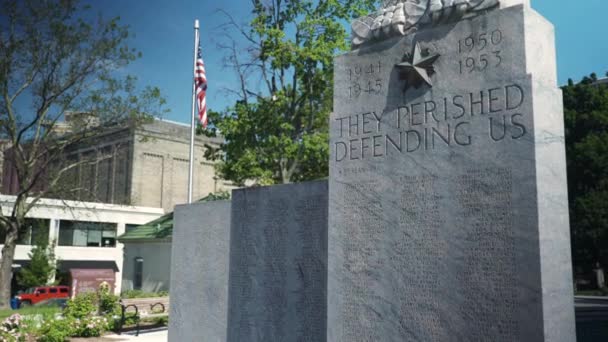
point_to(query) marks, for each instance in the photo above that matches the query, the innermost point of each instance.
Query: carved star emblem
(418, 69)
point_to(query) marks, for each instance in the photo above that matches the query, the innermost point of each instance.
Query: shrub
(42, 264)
(57, 330)
(162, 320)
(91, 327)
(80, 318)
(108, 303)
(84, 305)
(30, 324)
(109, 307)
(11, 329)
(113, 318)
(130, 319)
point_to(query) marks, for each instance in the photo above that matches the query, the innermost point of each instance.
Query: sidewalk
(158, 336)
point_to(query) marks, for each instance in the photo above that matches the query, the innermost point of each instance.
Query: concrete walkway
(158, 336)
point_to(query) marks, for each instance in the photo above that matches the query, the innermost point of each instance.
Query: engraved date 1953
(480, 52)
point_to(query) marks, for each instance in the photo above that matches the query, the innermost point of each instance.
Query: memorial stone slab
(448, 215)
(278, 264)
(199, 272)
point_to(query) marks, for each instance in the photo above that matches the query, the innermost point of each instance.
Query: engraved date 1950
(480, 51)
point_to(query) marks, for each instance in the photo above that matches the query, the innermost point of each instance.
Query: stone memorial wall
(278, 264)
(448, 217)
(200, 256)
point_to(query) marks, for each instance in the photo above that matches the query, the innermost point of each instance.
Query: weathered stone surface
(509, 3)
(400, 17)
(448, 216)
(278, 264)
(199, 272)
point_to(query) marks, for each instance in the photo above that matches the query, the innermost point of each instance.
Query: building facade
(147, 258)
(140, 166)
(83, 233)
(161, 162)
(130, 176)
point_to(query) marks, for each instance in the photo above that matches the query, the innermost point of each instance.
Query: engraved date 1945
(365, 79)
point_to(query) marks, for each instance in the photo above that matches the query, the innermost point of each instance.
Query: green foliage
(90, 327)
(80, 317)
(42, 265)
(586, 115)
(12, 328)
(56, 330)
(83, 306)
(60, 329)
(109, 307)
(217, 196)
(30, 311)
(278, 132)
(130, 294)
(130, 319)
(164, 320)
(108, 302)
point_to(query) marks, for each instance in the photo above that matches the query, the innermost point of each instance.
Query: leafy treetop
(277, 131)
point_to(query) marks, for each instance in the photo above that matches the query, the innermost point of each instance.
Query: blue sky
(164, 34)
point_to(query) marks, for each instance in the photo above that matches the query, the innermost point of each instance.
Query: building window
(34, 231)
(131, 227)
(138, 274)
(87, 234)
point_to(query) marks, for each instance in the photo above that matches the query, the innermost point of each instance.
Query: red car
(37, 294)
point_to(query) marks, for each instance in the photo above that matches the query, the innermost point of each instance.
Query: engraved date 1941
(481, 51)
(365, 79)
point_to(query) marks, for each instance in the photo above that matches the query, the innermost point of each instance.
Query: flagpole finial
(196, 24)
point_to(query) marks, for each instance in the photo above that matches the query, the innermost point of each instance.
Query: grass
(32, 310)
(599, 293)
(131, 294)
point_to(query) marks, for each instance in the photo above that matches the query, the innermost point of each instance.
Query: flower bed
(88, 315)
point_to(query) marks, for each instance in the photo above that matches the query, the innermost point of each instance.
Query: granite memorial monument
(448, 216)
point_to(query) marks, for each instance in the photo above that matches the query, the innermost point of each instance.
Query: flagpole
(192, 119)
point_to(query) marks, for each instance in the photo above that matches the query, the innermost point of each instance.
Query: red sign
(90, 280)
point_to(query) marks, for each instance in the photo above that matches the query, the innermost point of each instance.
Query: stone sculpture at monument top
(401, 17)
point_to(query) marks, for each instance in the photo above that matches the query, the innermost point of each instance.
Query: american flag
(200, 81)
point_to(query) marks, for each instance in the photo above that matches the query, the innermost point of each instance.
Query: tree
(55, 57)
(586, 115)
(277, 132)
(42, 266)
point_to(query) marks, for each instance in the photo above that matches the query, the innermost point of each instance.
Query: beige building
(128, 176)
(84, 234)
(160, 164)
(142, 166)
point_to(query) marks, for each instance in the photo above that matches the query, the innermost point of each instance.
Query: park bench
(143, 308)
